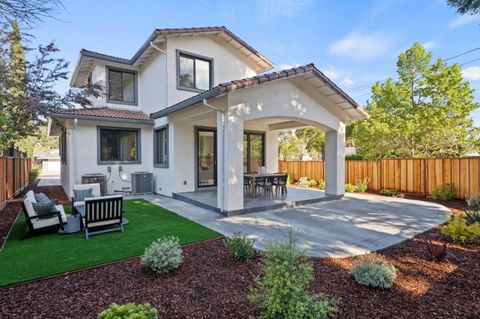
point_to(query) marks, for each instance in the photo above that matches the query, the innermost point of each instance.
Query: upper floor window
(122, 86)
(195, 73)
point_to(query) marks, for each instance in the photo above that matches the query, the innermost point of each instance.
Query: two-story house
(191, 107)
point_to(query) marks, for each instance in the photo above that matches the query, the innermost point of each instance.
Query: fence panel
(413, 175)
(13, 177)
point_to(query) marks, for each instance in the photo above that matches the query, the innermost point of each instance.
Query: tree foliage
(28, 86)
(425, 113)
(296, 144)
(465, 6)
(28, 12)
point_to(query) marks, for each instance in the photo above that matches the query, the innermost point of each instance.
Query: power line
(475, 60)
(461, 54)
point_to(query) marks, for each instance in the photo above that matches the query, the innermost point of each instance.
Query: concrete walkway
(353, 225)
(49, 178)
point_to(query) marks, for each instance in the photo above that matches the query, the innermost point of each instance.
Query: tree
(28, 12)
(426, 113)
(295, 144)
(465, 6)
(28, 87)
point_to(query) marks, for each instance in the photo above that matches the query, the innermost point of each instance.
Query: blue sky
(354, 42)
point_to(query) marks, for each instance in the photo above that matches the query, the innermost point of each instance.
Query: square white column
(335, 162)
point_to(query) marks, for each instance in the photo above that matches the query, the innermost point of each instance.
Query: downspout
(74, 148)
(166, 69)
(222, 181)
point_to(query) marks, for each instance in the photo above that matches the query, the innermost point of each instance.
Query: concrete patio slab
(353, 225)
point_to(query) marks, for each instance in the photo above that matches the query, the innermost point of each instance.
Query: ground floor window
(161, 146)
(253, 152)
(118, 145)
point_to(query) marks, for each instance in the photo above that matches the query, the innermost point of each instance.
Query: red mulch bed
(209, 284)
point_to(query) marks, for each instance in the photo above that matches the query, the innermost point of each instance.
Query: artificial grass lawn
(49, 254)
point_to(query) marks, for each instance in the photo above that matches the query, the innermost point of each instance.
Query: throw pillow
(81, 194)
(45, 208)
(41, 197)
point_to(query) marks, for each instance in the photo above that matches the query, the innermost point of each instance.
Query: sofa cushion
(81, 194)
(44, 208)
(41, 198)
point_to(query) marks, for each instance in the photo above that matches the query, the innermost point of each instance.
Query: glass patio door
(206, 157)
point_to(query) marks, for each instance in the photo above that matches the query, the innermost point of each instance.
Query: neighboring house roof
(86, 57)
(327, 87)
(103, 114)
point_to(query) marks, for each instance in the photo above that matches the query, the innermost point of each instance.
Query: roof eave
(98, 118)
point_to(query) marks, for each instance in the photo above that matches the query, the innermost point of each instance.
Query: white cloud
(362, 46)
(270, 9)
(462, 20)
(332, 75)
(429, 45)
(471, 73)
(286, 66)
(348, 82)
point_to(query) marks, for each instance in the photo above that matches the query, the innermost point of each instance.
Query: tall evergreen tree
(425, 113)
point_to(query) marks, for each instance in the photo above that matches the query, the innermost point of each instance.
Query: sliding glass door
(206, 157)
(253, 152)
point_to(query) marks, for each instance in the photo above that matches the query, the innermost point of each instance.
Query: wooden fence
(419, 175)
(13, 177)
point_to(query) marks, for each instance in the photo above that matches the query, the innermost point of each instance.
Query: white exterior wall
(83, 155)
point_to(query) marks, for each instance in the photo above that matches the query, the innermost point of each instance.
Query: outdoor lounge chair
(102, 212)
(35, 223)
(75, 203)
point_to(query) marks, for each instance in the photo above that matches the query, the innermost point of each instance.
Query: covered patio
(222, 128)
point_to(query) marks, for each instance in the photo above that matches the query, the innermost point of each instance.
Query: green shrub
(129, 311)
(321, 184)
(473, 202)
(280, 292)
(461, 233)
(239, 247)
(353, 157)
(350, 188)
(303, 182)
(444, 192)
(473, 216)
(163, 255)
(362, 186)
(388, 192)
(312, 183)
(373, 271)
(33, 174)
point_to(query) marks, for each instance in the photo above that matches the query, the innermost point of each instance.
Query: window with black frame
(194, 72)
(253, 152)
(119, 145)
(161, 146)
(121, 86)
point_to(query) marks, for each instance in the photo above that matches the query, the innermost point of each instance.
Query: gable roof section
(86, 56)
(329, 88)
(103, 114)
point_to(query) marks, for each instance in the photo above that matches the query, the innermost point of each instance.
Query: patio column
(335, 161)
(232, 163)
(220, 160)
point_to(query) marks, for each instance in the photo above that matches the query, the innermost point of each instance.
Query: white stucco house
(195, 107)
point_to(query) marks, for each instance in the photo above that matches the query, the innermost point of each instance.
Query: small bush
(303, 182)
(461, 233)
(280, 292)
(353, 157)
(436, 252)
(473, 202)
(388, 192)
(321, 184)
(444, 192)
(33, 174)
(350, 188)
(129, 311)
(362, 186)
(163, 255)
(239, 247)
(473, 216)
(312, 183)
(373, 271)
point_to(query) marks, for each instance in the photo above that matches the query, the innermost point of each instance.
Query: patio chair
(265, 183)
(247, 185)
(102, 212)
(80, 202)
(280, 183)
(36, 223)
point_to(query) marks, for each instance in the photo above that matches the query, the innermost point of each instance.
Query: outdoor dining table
(253, 177)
